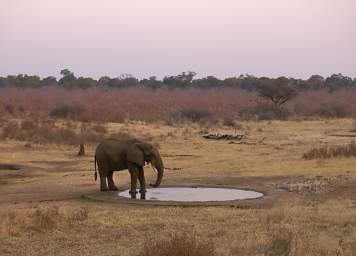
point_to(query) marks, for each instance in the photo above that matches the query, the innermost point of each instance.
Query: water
(183, 194)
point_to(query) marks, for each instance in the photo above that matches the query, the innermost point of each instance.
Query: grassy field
(309, 208)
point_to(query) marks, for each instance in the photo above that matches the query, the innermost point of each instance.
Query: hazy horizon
(294, 38)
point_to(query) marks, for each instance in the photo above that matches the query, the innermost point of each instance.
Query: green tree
(68, 79)
(337, 81)
(151, 83)
(182, 80)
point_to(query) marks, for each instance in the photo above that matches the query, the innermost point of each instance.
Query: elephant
(132, 154)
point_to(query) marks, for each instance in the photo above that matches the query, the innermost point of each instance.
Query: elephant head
(139, 153)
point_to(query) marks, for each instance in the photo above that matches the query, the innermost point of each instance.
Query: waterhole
(185, 194)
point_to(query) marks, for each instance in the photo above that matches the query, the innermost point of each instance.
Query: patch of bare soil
(319, 185)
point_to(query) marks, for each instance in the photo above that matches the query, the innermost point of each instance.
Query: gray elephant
(132, 154)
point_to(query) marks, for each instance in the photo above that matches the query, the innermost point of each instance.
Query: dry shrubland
(171, 105)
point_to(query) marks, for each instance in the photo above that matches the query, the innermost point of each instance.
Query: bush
(178, 246)
(202, 117)
(334, 110)
(194, 115)
(66, 112)
(9, 108)
(264, 112)
(228, 121)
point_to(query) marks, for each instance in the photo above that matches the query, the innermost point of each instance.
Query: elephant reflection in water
(132, 154)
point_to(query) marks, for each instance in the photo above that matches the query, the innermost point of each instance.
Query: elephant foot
(143, 196)
(104, 189)
(113, 189)
(133, 194)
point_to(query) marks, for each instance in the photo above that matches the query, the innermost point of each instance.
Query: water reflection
(182, 194)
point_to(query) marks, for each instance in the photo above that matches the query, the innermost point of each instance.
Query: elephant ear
(135, 155)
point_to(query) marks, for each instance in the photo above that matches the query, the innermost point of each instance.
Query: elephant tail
(95, 173)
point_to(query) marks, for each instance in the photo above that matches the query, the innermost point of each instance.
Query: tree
(315, 82)
(49, 81)
(68, 79)
(336, 81)
(85, 83)
(277, 90)
(248, 82)
(208, 82)
(182, 80)
(104, 81)
(151, 83)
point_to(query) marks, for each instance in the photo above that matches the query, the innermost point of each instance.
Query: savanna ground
(309, 208)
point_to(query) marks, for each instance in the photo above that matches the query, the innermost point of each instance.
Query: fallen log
(223, 137)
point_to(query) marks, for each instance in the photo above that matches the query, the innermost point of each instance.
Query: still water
(184, 194)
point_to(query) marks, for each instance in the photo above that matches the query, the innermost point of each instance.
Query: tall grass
(348, 150)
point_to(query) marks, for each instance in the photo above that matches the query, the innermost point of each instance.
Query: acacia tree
(278, 91)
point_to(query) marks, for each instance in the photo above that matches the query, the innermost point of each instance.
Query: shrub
(203, 117)
(333, 110)
(264, 112)
(9, 130)
(194, 115)
(9, 108)
(178, 245)
(228, 121)
(66, 112)
(348, 150)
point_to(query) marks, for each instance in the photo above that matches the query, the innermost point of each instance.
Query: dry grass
(295, 225)
(325, 152)
(178, 245)
(293, 230)
(16, 223)
(50, 131)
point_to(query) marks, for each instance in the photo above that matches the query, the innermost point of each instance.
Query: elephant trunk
(160, 170)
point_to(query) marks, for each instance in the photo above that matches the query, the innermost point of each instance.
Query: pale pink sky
(163, 37)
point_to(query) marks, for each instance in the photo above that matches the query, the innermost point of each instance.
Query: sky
(223, 38)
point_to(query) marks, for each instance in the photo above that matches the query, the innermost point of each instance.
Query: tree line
(184, 80)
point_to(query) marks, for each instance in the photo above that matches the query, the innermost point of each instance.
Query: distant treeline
(184, 80)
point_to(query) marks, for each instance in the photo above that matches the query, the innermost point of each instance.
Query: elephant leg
(102, 168)
(111, 183)
(141, 178)
(134, 170)
(103, 185)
